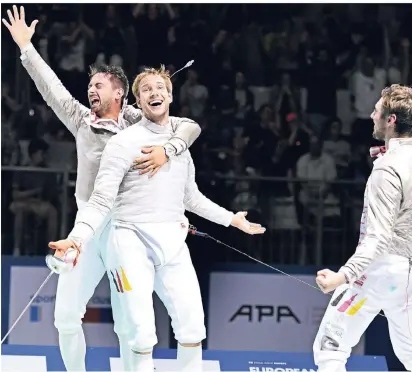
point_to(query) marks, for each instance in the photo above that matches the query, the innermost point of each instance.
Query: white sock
(126, 354)
(189, 358)
(142, 362)
(73, 350)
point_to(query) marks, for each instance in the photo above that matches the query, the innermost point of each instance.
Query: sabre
(188, 64)
(27, 306)
(193, 230)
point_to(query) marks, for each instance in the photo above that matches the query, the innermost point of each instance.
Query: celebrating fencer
(92, 129)
(150, 228)
(378, 276)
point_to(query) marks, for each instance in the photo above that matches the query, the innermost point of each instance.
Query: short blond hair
(397, 100)
(162, 72)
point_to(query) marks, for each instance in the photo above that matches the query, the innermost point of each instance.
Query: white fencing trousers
(386, 285)
(74, 289)
(167, 270)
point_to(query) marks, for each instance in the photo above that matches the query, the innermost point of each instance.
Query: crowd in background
(280, 91)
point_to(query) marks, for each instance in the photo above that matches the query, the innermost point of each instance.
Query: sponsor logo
(35, 314)
(35, 310)
(257, 313)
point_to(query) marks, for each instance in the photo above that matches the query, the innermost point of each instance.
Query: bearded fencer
(92, 128)
(378, 276)
(149, 228)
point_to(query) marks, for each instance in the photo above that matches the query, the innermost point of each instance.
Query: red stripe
(119, 282)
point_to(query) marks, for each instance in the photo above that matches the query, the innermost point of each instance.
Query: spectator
(286, 97)
(244, 99)
(367, 84)
(252, 61)
(318, 169)
(112, 40)
(10, 148)
(72, 48)
(261, 139)
(317, 202)
(194, 94)
(322, 71)
(337, 147)
(32, 194)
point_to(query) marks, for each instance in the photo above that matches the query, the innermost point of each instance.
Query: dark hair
(37, 145)
(117, 76)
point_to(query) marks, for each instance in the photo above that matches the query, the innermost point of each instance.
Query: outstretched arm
(114, 164)
(67, 109)
(199, 204)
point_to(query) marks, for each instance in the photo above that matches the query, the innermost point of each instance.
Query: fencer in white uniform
(378, 276)
(150, 228)
(92, 128)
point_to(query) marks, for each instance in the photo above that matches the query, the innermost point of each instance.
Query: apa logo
(258, 312)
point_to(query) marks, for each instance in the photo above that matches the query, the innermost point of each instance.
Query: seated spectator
(261, 138)
(318, 169)
(194, 94)
(337, 147)
(32, 194)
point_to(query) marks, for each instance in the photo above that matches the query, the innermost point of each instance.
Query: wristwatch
(169, 150)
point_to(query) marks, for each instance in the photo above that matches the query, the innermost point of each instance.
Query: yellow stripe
(355, 308)
(126, 284)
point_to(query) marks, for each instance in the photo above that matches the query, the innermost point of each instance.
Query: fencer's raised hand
(154, 159)
(328, 280)
(18, 28)
(239, 220)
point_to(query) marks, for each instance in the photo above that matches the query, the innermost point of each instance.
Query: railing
(304, 224)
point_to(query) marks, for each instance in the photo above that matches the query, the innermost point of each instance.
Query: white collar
(396, 142)
(156, 128)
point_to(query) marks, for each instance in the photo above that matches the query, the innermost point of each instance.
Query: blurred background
(283, 93)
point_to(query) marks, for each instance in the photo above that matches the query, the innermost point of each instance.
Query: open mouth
(155, 103)
(94, 102)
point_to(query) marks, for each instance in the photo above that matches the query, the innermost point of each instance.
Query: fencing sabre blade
(188, 64)
(193, 231)
(27, 306)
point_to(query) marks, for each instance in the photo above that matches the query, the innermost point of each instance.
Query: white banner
(253, 311)
(36, 327)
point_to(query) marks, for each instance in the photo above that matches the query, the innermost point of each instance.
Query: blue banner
(107, 359)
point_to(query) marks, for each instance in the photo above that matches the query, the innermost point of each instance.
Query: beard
(379, 132)
(101, 109)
